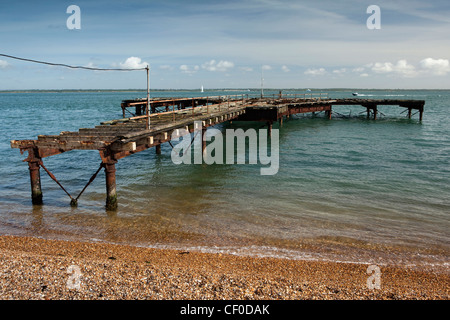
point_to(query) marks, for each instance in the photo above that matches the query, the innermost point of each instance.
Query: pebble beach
(40, 269)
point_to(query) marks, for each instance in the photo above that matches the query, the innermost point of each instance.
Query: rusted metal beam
(111, 192)
(204, 140)
(35, 177)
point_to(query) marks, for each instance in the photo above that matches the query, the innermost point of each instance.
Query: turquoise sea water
(348, 189)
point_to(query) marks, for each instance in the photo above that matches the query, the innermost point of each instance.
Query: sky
(226, 44)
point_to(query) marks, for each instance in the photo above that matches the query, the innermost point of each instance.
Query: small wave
(363, 258)
(381, 95)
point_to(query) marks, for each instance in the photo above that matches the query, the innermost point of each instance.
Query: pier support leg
(420, 114)
(123, 110)
(409, 113)
(368, 113)
(328, 114)
(270, 125)
(203, 140)
(375, 111)
(158, 149)
(138, 110)
(281, 121)
(35, 179)
(111, 194)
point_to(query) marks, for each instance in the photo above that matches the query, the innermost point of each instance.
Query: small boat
(355, 93)
(308, 90)
(202, 88)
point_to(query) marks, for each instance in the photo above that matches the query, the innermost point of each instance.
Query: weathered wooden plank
(71, 145)
(22, 143)
(130, 146)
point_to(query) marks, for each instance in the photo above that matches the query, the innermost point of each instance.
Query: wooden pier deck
(116, 139)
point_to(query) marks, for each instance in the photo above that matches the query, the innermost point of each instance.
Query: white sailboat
(202, 88)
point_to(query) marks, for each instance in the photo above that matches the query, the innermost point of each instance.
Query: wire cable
(69, 66)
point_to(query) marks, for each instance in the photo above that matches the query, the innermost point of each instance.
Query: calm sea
(349, 189)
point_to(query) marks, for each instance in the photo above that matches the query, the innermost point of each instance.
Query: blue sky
(227, 44)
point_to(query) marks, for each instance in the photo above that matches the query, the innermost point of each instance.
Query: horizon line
(217, 89)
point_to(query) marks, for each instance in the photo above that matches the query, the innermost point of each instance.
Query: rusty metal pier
(117, 139)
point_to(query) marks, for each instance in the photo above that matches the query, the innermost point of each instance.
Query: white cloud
(266, 67)
(438, 67)
(401, 67)
(364, 75)
(380, 67)
(315, 72)
(133, 63)
(358, 69)
(166, 67)
(90, 65)
(186, 69)
(218, 66)
(340, 71)
(4, 64)
(246, 69)
(285, 69)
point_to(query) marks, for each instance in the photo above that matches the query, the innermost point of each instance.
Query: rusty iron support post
(35, 179)
(368, 113)
(270, 124)
(203, 140)
(158, 149)
(111, 193)
(123, 109)
(409, 113)
(375, 111)
(420, 114)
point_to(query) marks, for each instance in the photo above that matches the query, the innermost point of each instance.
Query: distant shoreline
(206, 90)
